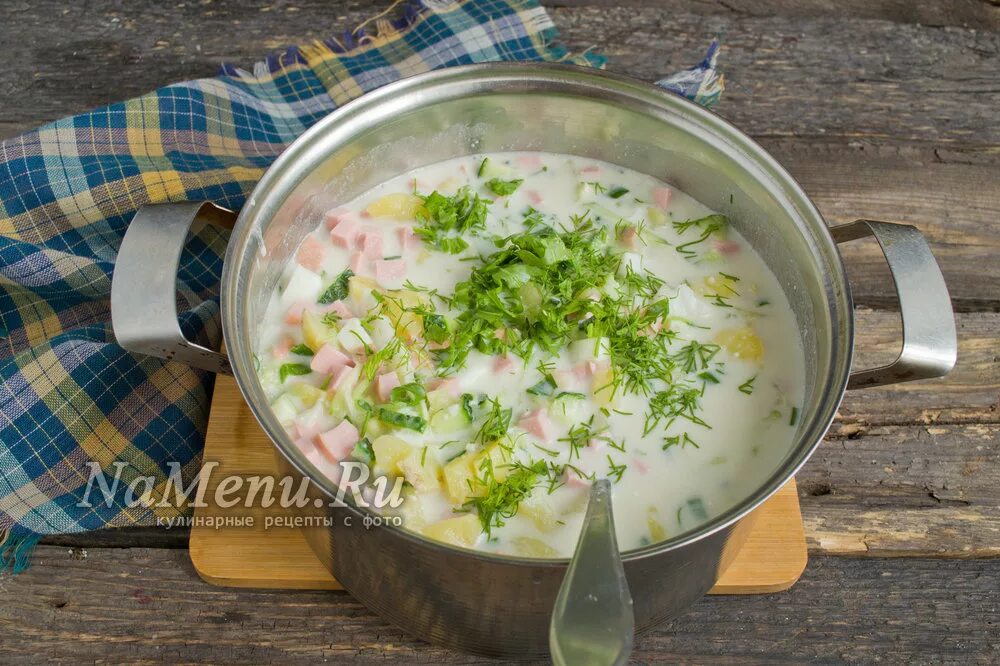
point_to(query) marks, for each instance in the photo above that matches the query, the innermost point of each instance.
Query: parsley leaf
(504, 187)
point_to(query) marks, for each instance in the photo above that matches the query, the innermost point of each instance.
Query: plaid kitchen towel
(72, 402)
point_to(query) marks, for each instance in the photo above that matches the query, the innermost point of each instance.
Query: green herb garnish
(747, 386)
(501, 499)
(402, 420)
(448, 218)
(302, 350)
(617, 192)
(408, 394)
(290, 369)
(503, 188)
(338, 290)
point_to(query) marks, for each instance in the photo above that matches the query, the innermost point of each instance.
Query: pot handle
(930, 346)
(143, 296)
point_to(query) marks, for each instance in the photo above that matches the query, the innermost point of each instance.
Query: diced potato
(717, 285)
(742, 343)
(538, 511)
(398, 206)
(603, 388)
(408, 325)
(421, 469)
(412, 510)
(359, 291)
(315, 333)
(462, 531)
(389, 451)
(499, 456)
(439, 399)
(531, 547)
(656, 531)
(307, 393)
(459, 475)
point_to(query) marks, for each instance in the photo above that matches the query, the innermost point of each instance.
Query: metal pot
(500, 605)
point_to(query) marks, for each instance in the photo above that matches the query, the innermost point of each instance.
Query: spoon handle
(592, 622)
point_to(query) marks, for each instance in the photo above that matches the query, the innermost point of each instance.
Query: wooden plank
(969, 394)
(814, 73)
(904, 491)
(138, 604)
(772, 558)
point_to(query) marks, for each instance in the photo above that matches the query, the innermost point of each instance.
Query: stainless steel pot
(501, 605)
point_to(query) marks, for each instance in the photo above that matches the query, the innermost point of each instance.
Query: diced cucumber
(491, 169)
(285, 408)
(450, 419)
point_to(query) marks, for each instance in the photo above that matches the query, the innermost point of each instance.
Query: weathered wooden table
(881, 109)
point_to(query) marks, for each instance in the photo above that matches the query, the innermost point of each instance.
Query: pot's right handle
(143, 287)
(930, 346)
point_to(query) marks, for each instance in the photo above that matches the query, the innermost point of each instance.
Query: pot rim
(515, 77)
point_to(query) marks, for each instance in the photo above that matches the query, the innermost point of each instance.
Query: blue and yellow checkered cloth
(70, 397)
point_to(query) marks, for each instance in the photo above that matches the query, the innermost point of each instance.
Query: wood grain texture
(772, 558)
(148, 604)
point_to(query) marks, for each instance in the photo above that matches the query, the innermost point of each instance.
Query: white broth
(498, 331)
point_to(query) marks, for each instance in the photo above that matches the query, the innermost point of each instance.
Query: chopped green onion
(289, 369)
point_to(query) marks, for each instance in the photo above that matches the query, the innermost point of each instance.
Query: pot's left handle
(143, 288)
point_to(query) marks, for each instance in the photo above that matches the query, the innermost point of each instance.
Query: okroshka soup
(498, 331)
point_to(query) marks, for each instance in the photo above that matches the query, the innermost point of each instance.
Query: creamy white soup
(498, 331)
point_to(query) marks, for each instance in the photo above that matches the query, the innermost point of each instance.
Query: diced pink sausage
(307, 430)
(311, 254)
(530, 161)
(294, 314)
(335, 217)
(538, 424)
(329, 359)
(450, 385)
(630, 237)
(360, 264)
(726, 247)
(283, 346)
(389, 270)
(574, 480)
(640, 466)
(406, 237)
(370, 244)
(591, 170)
(340, 308)
(595, 444)
(313, 454)
(534, 197)
(337, 443)
(345, 233)
(662, 196)
(384, 385)
(502, 363)
(337, 379)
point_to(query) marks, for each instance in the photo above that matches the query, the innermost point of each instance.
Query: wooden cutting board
(772, 559)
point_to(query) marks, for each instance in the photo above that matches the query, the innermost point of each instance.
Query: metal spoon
(592, 622)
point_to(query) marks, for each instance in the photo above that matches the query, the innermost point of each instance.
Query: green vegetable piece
(697, 507)
(504, 187)
(337, 291)
(435, 327)
(363, 451)
(544, 387)
(408, 394)
(617, 192)
(301, 350)
(289, 369)
(401, 420)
